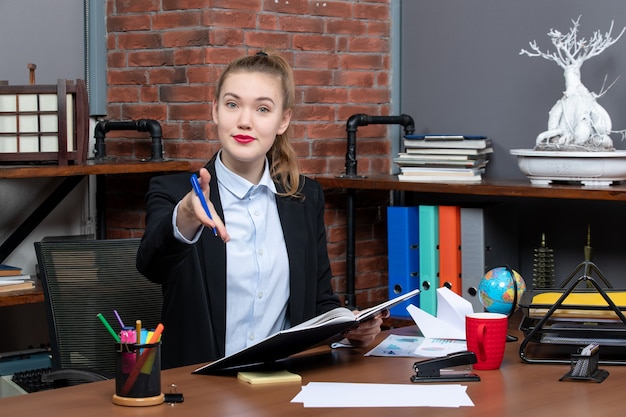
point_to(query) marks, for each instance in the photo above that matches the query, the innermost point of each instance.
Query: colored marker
(138, 332)
(119, 319)
(205, 206)
(156, 335)
(142, 360)
(147, 366)
(108, 327)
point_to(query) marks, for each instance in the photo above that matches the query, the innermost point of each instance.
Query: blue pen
(205, 206)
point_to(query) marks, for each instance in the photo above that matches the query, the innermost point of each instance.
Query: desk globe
(496, 290)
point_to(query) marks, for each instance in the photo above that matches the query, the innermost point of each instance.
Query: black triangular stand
(538, 328)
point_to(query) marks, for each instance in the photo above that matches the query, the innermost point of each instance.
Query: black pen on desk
(205, 206)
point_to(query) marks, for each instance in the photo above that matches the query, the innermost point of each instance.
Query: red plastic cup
(486, 337)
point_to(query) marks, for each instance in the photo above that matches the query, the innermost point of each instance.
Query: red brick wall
(164, 57)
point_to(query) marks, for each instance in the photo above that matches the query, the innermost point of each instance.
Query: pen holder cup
(138, 374)
(585, 368)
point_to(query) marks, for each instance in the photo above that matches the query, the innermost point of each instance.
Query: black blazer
(194, 276)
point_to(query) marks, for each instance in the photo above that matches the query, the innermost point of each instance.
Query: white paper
(11, 281)
(397, 345)
(336, 394)
(452, 308)
(450, 320)
(433, 328)
(434, 348)
(416, 347)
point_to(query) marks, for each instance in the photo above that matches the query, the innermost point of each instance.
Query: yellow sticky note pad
(269, 377)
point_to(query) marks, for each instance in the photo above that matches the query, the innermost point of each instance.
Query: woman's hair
(284, 167)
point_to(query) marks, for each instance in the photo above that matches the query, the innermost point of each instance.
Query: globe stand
(510, 337)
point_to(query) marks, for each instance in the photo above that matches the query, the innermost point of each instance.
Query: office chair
(80, 279)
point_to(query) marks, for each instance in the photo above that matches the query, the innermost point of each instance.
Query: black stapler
(454, 367)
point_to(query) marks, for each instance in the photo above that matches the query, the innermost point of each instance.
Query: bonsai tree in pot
(576, 122)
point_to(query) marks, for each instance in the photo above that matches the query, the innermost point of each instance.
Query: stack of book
(12, 279)
(444, 158)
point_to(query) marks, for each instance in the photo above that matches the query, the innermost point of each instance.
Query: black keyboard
(30, 381)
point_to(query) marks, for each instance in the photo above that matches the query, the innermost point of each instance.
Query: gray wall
(461, 70)
(48, 33)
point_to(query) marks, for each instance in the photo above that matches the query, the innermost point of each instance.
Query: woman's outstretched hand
(191, 213)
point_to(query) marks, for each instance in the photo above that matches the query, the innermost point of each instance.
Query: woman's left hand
(367, 330)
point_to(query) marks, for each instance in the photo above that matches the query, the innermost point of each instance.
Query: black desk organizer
(585, 368)
(562, 338)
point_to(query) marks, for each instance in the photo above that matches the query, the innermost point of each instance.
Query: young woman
(258, 263)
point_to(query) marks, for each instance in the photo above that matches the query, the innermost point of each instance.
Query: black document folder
(327, 327)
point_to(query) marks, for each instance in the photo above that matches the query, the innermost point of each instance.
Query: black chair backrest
(82, 278)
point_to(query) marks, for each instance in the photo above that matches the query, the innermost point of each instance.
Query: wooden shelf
(12, 298)
(436, 193)
(496, 188)
(92, 167)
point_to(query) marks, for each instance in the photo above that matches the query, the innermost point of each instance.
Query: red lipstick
(243, 138)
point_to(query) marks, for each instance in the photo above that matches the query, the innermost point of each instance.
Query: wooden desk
(517, 389)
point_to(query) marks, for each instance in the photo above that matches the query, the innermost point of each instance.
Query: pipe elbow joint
(151, 126)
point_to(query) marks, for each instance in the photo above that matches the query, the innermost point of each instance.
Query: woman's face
(249, 114)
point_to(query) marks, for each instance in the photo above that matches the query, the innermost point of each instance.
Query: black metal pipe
(357, 120)
(352, 125)
(142, 125)
(350, 301)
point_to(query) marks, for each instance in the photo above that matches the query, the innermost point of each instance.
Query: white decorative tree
(576, 122)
